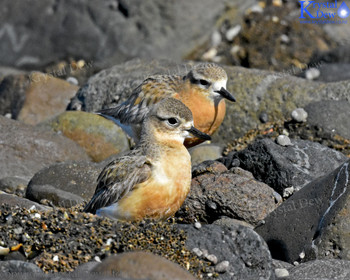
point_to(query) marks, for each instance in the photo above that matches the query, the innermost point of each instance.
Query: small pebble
(197, 225)
(72, 80)
(287, 192)
(302, 255)
(278, 197)
(97, 259)
(255, 9)
(283, 140)
(4, 251)
(281, 272)
(8, 115)
(212, 258)
(55, 258)
(295, 263)
(264, 118)
(312, 73)
(284, 39)
(197, 252)
(222, 267)
(235, 49)
(299, 115)
(233, 32)
(210, 54)
(275, 19)
(216, 38)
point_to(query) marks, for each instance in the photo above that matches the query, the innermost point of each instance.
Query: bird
(152, 180)
(202, 90)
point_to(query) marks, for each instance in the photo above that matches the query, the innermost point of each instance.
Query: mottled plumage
(153, 179)
(202, 90)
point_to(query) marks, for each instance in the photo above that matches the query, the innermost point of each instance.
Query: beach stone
(256, 91)
(13, 267)
(291, 166)
(141, 265)
(13, 184)
(313, 222)
(205, 152)
(65, 184)
(244, 250)
(234, 194)
(299, 115)
(98, 136)
(332, 116)
(45, 97)
(105, 32)
(25, 149)
(321, 269)
(14, 200)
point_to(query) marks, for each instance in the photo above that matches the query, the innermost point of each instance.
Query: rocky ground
(270, 195)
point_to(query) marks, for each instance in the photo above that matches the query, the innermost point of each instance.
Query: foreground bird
(202, 90)
(153, 180)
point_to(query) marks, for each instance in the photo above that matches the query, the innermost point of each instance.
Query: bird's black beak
(226, 94)
(199, 133)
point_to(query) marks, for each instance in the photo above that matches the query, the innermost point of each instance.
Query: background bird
(154, 179)
(202, 90)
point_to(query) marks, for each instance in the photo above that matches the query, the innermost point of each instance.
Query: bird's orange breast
(163, 193)
(207, 116)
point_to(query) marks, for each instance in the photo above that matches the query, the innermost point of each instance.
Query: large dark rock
(65, 184)
(14, 267)
(217, 192)
(104, 32)
(14, 200)
(292, 166)
(26, 149)
(246, 252)
(298, 229)
(331, 116)
(256, 91)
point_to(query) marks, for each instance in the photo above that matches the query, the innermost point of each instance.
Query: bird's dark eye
(173, 121)
(204, 82)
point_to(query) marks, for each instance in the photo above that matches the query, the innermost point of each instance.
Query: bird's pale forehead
(212, 71)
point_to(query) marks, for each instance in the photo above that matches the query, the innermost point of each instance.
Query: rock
(106, 33)
(225, 221)
(14, 267)
(99, 137)
(12, 94)
(29, 149)
(234, 194)
(65, 184)
(334, 72)
(46, 97)
(283, 140)
(256, 91)
(149, 266)
(204, 152)
(14, 200)
(299, 229)
(299, 115)
(291, 166)
(241, 253)
(321, 269)
(331, 116)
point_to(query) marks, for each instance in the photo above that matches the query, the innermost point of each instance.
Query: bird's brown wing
(152, 90)
(117, 179)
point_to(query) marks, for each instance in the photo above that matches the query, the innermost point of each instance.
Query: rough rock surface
(24, 149)
(106, 32)
(99, 137)
(275, 94)
(295, 231)
(321, 269)
(331, 116)
(246, 251)
(141, 265)
(46, 97)
(65, 184)
(291, 166)
(217, 192)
